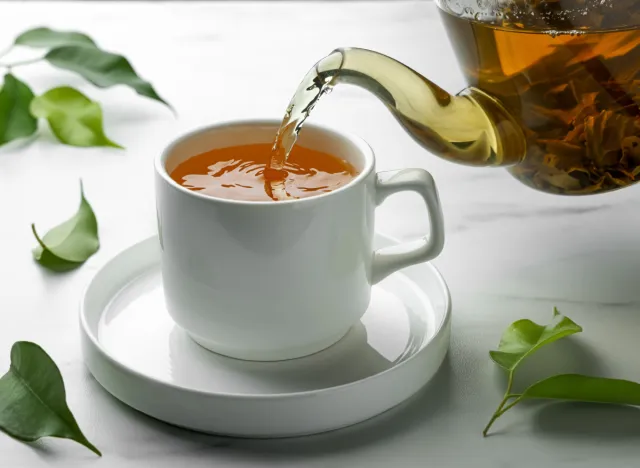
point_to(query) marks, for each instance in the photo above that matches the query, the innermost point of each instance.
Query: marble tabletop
(510, 252)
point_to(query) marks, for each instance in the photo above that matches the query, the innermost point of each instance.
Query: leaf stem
(491, 421)
(509, 406)
(21, 63)
(507, 392)
(503, 406)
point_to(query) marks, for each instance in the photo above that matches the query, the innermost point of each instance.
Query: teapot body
(568, 72)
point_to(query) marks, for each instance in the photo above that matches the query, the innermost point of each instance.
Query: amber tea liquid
(575, 90)
(238, 173)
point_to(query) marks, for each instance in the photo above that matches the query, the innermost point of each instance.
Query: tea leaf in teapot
(48, 38)
(15, 119)
(567, 155)
(584, 109)
(631, 149)
(570, 79)
(101, 68)
(594, 133)
(74, 118)
(562, 96)
(70, 244)
(33, 399)
(592, 151)
(634, 90)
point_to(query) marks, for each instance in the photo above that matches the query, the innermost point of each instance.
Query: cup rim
(364, 148)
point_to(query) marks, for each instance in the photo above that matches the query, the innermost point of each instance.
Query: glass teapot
(554, 91)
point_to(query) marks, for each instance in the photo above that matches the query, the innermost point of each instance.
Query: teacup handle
(393, 258)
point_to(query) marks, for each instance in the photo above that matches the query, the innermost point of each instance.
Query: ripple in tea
(238, 173)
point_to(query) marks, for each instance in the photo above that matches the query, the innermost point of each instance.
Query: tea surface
(238, 173)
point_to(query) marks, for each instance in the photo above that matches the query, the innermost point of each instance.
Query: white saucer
(135, 351)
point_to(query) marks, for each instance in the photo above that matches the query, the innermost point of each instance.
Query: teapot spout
(471, 127)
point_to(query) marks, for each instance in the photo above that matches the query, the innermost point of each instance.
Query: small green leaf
(576, 387)
(525, 337)
(48, 38)
(15, 119)
(70, 244)
(101, 68)
(74, 118)
(33, 399)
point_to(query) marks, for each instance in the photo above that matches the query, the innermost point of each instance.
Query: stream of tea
(472, 128)
(313, 86)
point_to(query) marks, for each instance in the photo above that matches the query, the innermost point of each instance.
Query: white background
(511, 252)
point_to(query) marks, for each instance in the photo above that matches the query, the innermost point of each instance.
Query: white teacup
(279, 280)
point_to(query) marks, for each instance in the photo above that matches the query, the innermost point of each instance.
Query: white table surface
(511, 252)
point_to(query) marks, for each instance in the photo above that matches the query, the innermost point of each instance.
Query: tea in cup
(268, 280)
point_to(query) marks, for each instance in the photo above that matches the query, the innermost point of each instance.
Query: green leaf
(525, 337)
(33, 399)
(15, 119)
(48, 38)
(71, 243)
(101, 68)
(576, 387)
(74, 118)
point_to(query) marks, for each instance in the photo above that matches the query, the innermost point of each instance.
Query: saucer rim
(95, 342)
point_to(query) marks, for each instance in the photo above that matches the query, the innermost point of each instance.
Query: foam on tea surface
(238, 173)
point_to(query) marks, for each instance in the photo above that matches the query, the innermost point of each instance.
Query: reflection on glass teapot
(554, 91)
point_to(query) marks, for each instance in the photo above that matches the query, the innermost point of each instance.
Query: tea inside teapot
(569, 72)
(554, 92)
